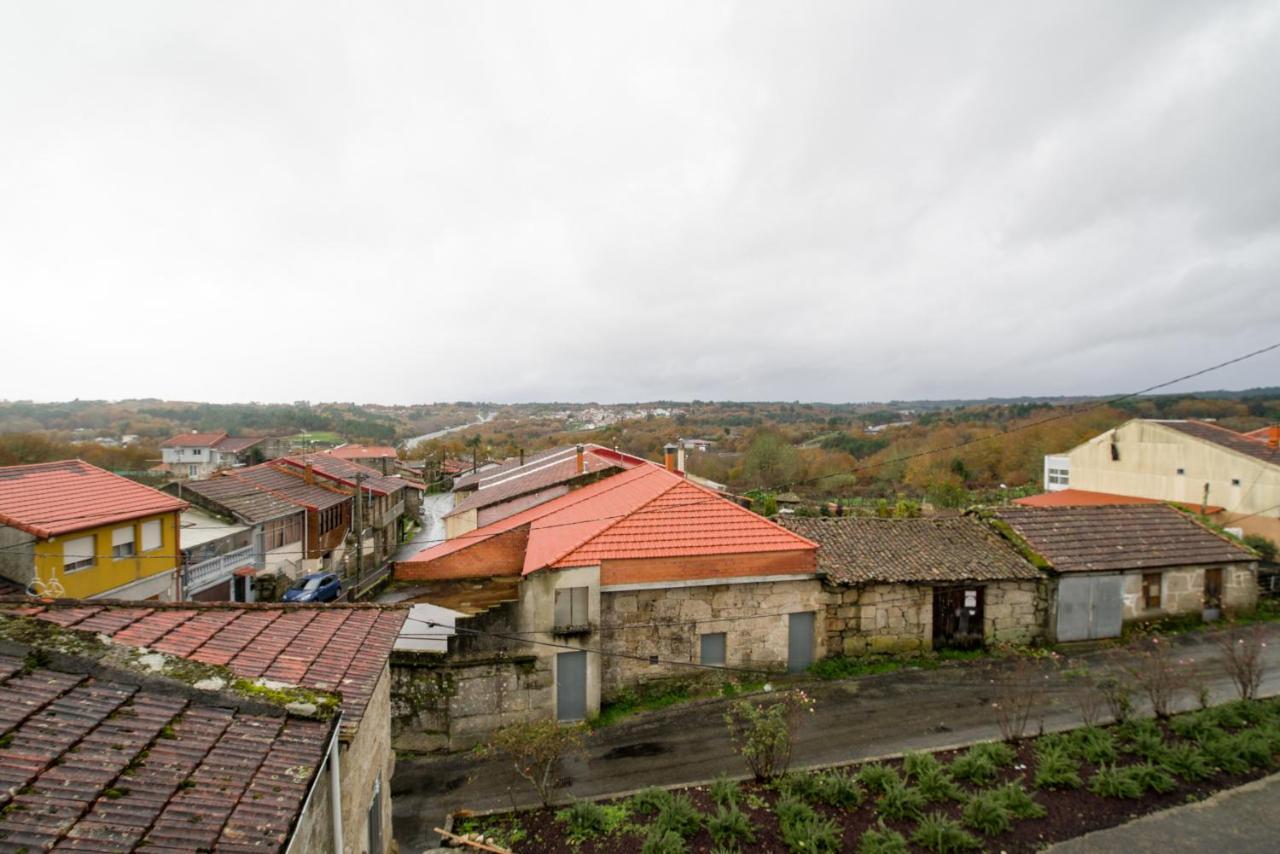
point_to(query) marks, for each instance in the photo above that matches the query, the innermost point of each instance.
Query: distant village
(278, 623)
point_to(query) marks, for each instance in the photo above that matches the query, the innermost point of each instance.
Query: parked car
(316, 587)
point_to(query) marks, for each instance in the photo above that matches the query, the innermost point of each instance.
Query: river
(427, 437)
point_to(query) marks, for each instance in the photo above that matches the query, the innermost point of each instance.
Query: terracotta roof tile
(342, 472)
(1225, 438)
(195, 440)
(1085, 498)
(859, 551)
(1085, 539)
(49, 499)
(362, 452)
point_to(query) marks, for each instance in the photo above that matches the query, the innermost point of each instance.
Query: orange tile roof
(336, 648)
(646, 511)
(1085, 498)
(48, 499)
(362, 452)
(195, 440)
(341, 471)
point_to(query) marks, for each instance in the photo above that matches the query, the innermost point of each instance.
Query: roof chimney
(309, 474)
(581, 460)
(680, 455)
(1273, 436)
(669, 456)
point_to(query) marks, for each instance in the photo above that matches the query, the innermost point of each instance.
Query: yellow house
(72, 530)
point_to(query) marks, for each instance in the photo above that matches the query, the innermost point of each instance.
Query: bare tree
(1019, 692)
(1242, 656)
(1159, 674)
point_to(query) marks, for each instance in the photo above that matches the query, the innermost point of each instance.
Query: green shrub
(797, 784)
(661, 841)
(763, 732)
(1056, 742)
(1195, 726)
(901, 801)
(838, 789)
(1000, 754)
(1187, 761)
(584, 820)
(987, 812)
(915, 764)
(680, 816)
(1112, 782)
(1137, 728)
(1255, 748)
(938, 833)
(811, 834)
(877, 778)
(1224, 752)
(1265, 548)
(937, 784)
(1019, 801)
(1148, 745)
(1152, 777)
(882, 840)
(1056, 769)
(730, 827)
(650, 801)
(1095, 745)
(792, 810)
(974, 767)
(724, 791)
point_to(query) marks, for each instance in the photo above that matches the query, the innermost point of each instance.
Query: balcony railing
(215, 570)
(386, 517)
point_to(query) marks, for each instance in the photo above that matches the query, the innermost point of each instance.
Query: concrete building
(241, 728)
(1114, 564)
(906, 585)
(639, 577)
(1191, 462)
(71, 529)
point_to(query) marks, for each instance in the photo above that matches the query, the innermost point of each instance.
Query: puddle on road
(639, 749)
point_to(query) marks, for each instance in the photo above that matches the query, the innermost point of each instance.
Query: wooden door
(1212, 594)
(957, 617)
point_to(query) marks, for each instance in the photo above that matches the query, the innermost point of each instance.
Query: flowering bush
(535, 748)
(763, 732)
(1159, 674)
(1242, 655)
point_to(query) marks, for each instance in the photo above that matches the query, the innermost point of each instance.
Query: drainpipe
(335, 792)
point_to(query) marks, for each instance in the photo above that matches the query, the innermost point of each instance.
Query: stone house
(1114, 564)
(639, 577)
(200, 727)
(905, 585)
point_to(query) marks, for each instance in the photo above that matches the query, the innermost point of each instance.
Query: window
(151, 535)
(195, 452)
(77, 554)
(122, 543)
(1151, 590)
(711, 649)
(280, 532)
(571, 607)
(1181, 472)
(1059, 477)
(330, 519)
(192, 470)
(1235, 481)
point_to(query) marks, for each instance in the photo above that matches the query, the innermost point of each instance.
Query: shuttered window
(711, 649)
(151, 535)
(571, 607)
(122, 543)
(77, 554)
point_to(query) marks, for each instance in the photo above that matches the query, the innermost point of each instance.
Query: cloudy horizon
(414, 202)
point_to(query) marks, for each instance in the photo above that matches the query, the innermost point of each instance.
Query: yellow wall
(109, 573)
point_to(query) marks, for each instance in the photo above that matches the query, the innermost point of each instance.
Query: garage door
(1090, 607)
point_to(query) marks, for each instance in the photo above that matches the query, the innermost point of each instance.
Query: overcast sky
(408, 202)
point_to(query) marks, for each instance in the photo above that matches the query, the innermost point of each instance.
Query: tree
(770, 462)
(536, 749)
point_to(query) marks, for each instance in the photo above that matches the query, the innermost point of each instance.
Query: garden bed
(1000, 797)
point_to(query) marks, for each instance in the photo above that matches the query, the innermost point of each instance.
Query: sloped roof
(1096, 539)
(1262, 434)
(503, 468)
(532, 477)
(48, 499)
(336, 648)
(236, 444)
(362, 452)
(691, 521)
(289, 485)
(242, 497)
(1085, 498)
(1225, 438)
(195, 440)
(344, 472)
(934, 549)
(97, 765)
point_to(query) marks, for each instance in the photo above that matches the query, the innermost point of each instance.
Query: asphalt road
(853, 720)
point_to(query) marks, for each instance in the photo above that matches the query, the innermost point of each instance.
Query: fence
(215, 570)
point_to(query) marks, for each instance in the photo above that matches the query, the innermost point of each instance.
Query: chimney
(309, 475)
(582, 461)
(669, 456)
(522, 456)
(1273, 436)
(680, 455)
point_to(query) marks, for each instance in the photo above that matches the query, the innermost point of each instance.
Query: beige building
(1192, 462)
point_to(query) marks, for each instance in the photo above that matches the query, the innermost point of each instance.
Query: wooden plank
(471, 842)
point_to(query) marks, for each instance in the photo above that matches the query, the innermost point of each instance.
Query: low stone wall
(667, 622)
(439, 704)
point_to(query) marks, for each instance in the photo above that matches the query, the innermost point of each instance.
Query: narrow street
(855, 719)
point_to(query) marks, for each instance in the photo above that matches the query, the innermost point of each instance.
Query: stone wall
(445, 704)
(898, 618)
(667, 622)
(1182, 591)
(368, 758)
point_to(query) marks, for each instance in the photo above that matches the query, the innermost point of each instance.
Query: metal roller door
(1090, 607)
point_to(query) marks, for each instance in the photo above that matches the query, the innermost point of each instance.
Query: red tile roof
(1085, 498)
(363, 452)
(48, 499)
(336, 648)
(194, 440)
(96, 765)
(643, 512)
(1262, 434)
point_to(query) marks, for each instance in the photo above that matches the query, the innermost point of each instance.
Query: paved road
(855, 719)
(1242, 821)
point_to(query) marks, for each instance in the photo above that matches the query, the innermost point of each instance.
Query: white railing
(216, 570)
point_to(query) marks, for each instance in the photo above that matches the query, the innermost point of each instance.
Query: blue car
(316, 587)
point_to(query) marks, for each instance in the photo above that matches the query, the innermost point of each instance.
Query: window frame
(131, 544)
(724, 649)
(577, 607)
(159, 529)
(87, 562)
(1147, 589)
